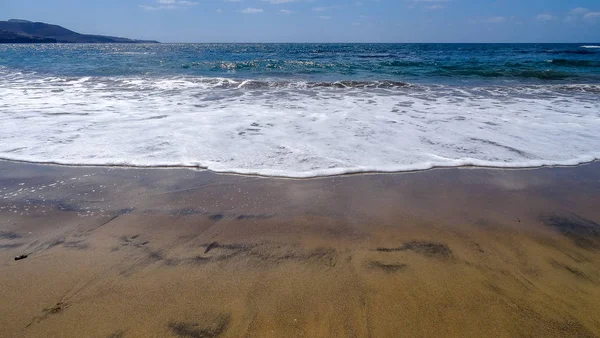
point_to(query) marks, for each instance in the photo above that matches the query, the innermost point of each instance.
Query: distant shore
(120, 252)
(26, 32)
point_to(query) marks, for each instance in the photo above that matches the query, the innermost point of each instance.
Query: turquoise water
(421, 63)
(301, 110)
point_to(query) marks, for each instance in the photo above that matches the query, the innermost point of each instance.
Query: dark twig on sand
(18, 258)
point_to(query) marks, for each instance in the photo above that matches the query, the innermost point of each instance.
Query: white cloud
(579, 11)
(592, 16)
(429, 5)
(544, 17)
(277, 2)
(285, 11)
(576, 14)
(168, 4)
(156, 8)
(495, 19)
(327, 8)
(251, 10)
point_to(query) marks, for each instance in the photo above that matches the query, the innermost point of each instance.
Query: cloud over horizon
(323, 20)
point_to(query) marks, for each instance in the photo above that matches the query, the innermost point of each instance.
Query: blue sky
(321, 20)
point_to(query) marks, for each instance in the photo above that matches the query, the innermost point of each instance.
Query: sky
(321, 20)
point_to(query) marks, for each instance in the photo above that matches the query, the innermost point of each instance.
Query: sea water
(301, 110)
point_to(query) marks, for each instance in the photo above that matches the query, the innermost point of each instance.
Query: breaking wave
(293, 128)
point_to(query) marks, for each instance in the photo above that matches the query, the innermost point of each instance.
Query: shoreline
(138, 252)
(358, 172)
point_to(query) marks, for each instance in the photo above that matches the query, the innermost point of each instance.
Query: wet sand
(461, 252)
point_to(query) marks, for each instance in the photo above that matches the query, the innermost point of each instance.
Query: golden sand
(179, 253)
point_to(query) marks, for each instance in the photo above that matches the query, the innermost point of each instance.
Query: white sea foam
(590, 46)
(293, 129)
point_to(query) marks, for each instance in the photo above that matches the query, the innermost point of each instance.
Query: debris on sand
(18, 258)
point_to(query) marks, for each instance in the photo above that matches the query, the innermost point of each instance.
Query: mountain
(11, 37)
(23, 31)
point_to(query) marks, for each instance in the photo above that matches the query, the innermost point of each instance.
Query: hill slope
(23, 31)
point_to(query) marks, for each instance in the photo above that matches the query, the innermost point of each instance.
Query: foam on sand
(293, 129)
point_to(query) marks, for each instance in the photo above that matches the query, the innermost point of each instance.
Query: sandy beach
(460, 252)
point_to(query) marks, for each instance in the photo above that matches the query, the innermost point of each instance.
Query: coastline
(282, 111)
(584, 160)
(462, 251)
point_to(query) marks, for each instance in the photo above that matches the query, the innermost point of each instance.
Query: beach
(423, 168)
(453, 252)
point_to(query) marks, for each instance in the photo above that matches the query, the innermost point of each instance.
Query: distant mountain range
(23, 31)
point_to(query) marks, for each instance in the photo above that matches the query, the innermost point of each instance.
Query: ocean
(301, 110)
